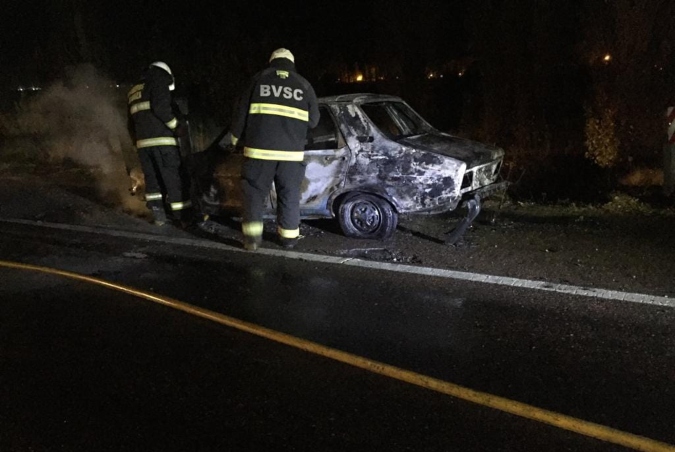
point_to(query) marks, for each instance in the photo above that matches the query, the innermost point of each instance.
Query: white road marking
(400, 268)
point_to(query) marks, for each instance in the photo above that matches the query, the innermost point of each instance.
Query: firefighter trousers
(166, 184)
(256, 181)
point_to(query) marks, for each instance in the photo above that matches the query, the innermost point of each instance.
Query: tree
(524, 51)
(627, 45)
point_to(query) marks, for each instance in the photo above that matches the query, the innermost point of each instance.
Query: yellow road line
(561, 421)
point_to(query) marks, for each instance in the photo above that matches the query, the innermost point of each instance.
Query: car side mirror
(365, 138)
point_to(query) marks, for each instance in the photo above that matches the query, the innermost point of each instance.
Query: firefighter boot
(159, 216)
(288, 243)
(186, 218)
(252, 243)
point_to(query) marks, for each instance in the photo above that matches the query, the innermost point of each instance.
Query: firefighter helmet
(282, 53)
(163, 65)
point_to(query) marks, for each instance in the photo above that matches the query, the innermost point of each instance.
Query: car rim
(366, 217)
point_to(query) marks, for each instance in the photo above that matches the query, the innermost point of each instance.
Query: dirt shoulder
(621, 246)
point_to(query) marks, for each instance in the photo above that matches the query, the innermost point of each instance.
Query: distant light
(22, 88)
(607, 58)
(359, 78)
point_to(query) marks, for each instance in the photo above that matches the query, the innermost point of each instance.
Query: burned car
(371, 158)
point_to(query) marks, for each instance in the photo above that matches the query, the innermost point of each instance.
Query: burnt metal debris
(371, 158)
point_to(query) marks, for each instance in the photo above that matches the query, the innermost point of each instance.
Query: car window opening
(395, 119)
(325, 135)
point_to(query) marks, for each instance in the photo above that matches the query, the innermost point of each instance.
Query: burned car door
(225, 191)
(327, 158)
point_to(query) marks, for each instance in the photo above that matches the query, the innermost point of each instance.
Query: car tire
(366, 216)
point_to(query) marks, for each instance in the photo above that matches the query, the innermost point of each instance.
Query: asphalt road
(218, 349)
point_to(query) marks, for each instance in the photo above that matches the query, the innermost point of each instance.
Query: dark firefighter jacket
(275, 113)
(151, 111)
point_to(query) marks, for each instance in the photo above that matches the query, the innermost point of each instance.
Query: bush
(602, 144)
(555, 178)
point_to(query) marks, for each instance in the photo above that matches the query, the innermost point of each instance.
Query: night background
(547, 326)
(575, 92)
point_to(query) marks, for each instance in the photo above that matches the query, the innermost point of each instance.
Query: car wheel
(367, 216)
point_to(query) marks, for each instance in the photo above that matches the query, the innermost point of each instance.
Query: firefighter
(156, 130)
(271, 123)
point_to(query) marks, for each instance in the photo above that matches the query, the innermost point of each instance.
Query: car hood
(471, 152)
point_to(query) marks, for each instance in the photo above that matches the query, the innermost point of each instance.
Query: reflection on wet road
(603, 361)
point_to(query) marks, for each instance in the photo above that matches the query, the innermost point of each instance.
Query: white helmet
(163, 65)
(282, 53)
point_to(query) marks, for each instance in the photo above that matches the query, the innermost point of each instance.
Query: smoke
(82, 119)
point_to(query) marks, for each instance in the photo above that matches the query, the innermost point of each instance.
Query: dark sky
(39, 36)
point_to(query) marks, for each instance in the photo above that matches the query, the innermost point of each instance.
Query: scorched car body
(371, 158)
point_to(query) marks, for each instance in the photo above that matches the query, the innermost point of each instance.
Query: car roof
(358, 98)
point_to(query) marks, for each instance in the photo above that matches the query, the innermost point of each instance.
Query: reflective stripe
(252, 228)
(269, 154)
(136, 88)
(181, 205)
(279, 110)
(140, 107)
(234, 140)
(288, 233)
(153, 196)
(135, 92)
(161, 141)
(172, 124)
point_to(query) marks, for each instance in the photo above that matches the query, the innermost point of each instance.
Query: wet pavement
(91, 368)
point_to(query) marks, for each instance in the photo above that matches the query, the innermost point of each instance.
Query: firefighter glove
(181, 129)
